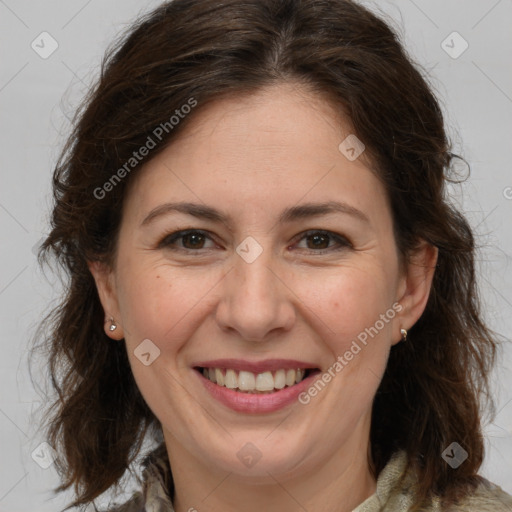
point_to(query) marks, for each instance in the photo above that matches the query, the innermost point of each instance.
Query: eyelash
(169, 239)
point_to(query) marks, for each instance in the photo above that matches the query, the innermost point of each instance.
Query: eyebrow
(290, 214)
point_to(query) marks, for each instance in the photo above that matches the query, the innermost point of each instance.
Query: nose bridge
(254, 302)
(255, 277)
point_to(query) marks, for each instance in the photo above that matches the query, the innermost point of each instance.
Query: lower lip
(257, 403)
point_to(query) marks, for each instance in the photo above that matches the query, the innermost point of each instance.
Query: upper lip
(267, 365)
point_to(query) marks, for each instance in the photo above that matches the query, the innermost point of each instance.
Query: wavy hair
(434, 384)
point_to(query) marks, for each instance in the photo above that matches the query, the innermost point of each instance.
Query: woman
(266, 278)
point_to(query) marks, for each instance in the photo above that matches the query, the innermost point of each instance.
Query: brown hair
(201, 49)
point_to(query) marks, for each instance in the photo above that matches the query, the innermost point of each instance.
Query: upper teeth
(248, 381)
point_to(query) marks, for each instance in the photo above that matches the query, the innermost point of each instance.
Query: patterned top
(390, 495)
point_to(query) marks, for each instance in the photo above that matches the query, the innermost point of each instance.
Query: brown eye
(319, 241)
(191, 240)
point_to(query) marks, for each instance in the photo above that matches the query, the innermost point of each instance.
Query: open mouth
(252, 383)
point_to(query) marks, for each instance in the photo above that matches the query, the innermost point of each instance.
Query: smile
(249, 382)
(255, 388)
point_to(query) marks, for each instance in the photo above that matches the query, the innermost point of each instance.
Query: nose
(256, 302)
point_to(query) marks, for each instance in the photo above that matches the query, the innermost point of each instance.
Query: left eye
(195, 239)
(321, 238)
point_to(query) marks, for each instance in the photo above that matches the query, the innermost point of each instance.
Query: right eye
(190, 240)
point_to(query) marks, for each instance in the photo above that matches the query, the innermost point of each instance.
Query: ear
(415, 285)
(104, 278)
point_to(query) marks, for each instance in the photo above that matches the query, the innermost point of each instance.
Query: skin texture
(251, 158)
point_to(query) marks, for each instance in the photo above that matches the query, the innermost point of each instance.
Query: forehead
(281, 144)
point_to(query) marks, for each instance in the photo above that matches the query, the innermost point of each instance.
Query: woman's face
(281, 278)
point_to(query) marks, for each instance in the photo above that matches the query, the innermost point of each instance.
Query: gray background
(38, 97)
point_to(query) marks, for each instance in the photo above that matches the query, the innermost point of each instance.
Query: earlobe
(416, 285)
(103, 277)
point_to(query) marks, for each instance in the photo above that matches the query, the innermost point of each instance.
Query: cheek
(348, 300)
(159, 302)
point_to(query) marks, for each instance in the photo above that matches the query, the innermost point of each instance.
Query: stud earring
(404, 334)
(113, 326)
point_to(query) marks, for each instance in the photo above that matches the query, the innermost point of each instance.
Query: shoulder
(154, 495)
(487, 497)
(397, 495)
(134, 504)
